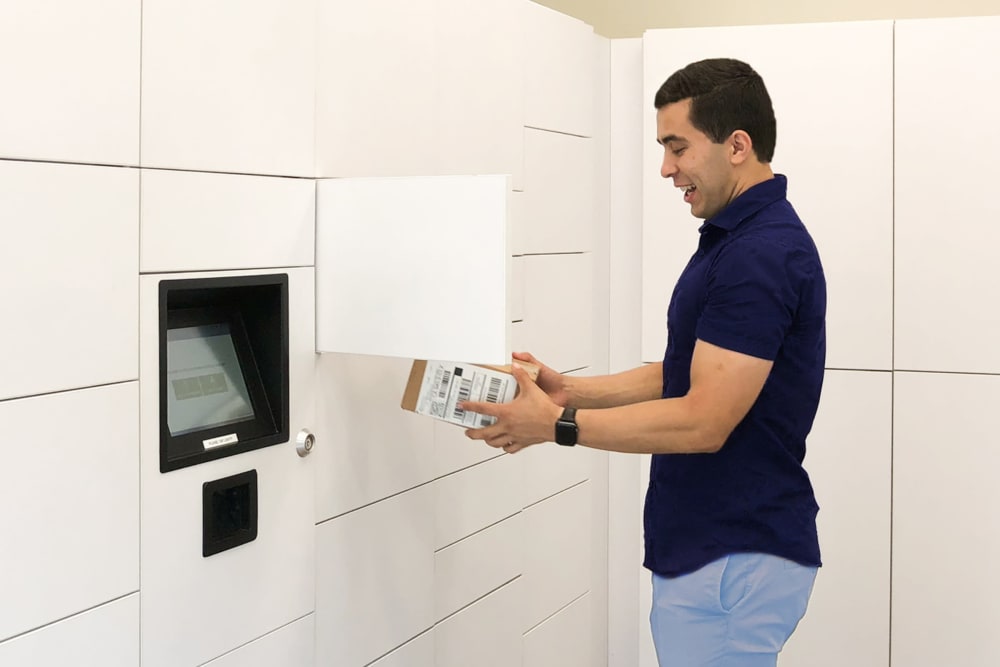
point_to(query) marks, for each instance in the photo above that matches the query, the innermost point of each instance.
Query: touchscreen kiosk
(223, 367)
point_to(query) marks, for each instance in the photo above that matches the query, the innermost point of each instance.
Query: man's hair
(726, 95)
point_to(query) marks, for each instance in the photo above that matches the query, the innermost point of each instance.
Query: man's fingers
(491, 409)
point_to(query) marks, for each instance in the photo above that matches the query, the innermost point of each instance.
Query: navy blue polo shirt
(755, 286)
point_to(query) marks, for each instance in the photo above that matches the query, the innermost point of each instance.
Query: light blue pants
(737, 611)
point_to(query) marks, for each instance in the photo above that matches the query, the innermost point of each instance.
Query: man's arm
(644, 383)
(724, 386)
(603, 391)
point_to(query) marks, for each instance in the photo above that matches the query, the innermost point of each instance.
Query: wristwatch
(566, 428)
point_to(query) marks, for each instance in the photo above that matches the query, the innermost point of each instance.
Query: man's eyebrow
(666, 139)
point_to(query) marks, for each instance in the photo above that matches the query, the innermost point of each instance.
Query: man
(730, 528)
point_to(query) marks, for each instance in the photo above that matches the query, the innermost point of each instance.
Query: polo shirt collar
(748, 203)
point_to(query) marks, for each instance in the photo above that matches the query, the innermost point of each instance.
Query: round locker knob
(304, 442)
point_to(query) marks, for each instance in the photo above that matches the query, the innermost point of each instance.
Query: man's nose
(669, 167)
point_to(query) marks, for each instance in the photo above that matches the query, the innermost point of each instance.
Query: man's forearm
(644, 383)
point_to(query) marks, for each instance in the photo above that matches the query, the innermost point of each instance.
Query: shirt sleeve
(752, 296)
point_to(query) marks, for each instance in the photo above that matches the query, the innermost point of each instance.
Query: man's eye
(679, 151)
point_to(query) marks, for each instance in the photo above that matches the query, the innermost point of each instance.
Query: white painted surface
(70, 249)
(367, 447)
(550, 468)
(846, 204)
(414, 267)
(475, 498)
(361, 129)
(558, 310)
(517, 289)
(558, 640)
(416, 653)
(104, 637)
(559, 525)
(560, 61)
(293, 645)
(944, 602)
(70, 490)
(471, 568)
(947, 279)
(229, 86)
(559, 198)
(626, 622)
(70, 76)
(485, 634)
(453, 451)
(849, 459)
(479, 99)
(193, 221)
(375, 584)
(195, 609)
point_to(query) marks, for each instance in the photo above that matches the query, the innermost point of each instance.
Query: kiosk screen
(205, 385)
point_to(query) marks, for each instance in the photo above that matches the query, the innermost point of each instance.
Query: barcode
(464, 390)
(493, 395)
(486, 420)
(445, 381)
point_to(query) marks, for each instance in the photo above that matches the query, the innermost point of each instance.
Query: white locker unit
(559, 193)
(560, 65)
(440, 92)
(72, 253)
(416, 653)
(849, 460)
(107, 636)
(229, 86)
(559, 525)
(559, 311)
(368, 447)
(453, 451)
(197, 608)
(947, 282)
(70, 76)
(478, 90)
(486, 633)
(293, 645)
(70, 497)
(473, 499)
(196, 221)
(375, 117)
(559, 639)
(517, 286)
(845, 203)
(944, 520)
(414, 267)
(477, 565)
(375, 584)
(550, 469)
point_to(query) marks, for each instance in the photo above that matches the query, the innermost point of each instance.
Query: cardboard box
(436, 387)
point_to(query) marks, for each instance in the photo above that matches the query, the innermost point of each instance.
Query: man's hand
(527, 420)
(551, 382)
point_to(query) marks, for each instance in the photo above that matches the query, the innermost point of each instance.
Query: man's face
(699, 167)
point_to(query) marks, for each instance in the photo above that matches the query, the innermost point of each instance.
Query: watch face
(566, 429)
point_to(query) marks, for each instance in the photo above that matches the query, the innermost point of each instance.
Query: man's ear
(740, 147)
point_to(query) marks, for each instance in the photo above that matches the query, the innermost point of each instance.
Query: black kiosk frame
(223, 367)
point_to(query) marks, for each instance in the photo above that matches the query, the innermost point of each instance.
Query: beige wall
(629, 18)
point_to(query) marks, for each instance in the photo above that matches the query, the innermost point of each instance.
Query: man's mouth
(689, 191)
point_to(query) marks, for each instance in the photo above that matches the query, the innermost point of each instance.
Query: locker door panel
(70, 75)
(74, 261)
(70, 490)
(947, 281)
(944, 513)
(107, 636)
